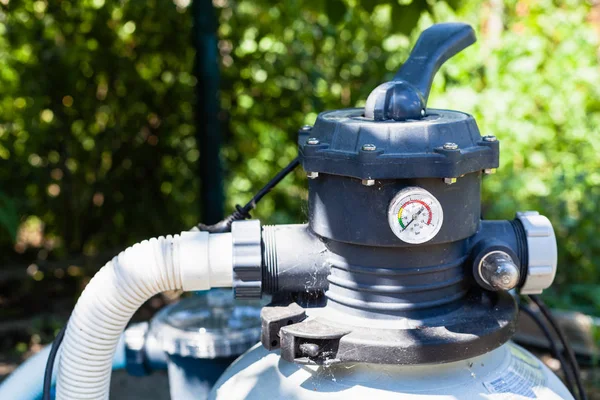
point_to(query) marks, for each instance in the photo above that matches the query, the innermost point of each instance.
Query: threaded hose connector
(247, 259)
(271, 269)
(542, 253)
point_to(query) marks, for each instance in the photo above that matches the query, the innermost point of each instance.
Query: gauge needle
(414, 218)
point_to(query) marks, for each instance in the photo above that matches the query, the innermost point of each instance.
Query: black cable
(242, 213)
(567, 371)
(570, 354)
(50, 363)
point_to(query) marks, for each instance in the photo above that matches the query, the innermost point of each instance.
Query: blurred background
(122, 120)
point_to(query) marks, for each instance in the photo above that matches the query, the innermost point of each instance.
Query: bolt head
(450, 181)
(368, 182)
(369, 147)
(450, 146)
(313, 141)
(490, 138)
(306, 128)
(312, 175)
(489, 171)
(310, 349)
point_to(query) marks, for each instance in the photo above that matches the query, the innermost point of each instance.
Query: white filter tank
(508, 372)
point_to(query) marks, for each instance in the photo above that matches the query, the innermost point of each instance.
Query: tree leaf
(9, 218)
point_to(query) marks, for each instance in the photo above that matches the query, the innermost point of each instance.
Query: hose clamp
(247, 259)
(541, 250)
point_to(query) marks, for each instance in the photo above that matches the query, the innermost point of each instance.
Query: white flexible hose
(192, 261)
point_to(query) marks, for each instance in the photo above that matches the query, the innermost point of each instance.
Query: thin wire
(242, 213)
(270, 185)
(50, 363)
(570, 354)
(567, 371)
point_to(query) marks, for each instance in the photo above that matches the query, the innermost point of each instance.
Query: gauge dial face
(415, 215)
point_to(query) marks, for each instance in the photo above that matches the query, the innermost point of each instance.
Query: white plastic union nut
(542, 252)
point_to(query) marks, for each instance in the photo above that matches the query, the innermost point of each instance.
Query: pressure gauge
(415, 215)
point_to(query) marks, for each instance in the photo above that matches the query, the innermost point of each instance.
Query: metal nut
(312, 141)
(449, 181)
(490, 138)
(450, 146)
(312, 175)
(369, 147)
(306, 128)
(368, 182)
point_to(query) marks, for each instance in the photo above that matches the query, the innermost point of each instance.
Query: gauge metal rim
(397, 202)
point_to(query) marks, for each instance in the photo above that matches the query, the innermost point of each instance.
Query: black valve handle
(405, 97)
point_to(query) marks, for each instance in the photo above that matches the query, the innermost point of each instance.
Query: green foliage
(96, 132)
(532, 80)
(96, 109)
(282, 63)
(9, 217)
(534, 84)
